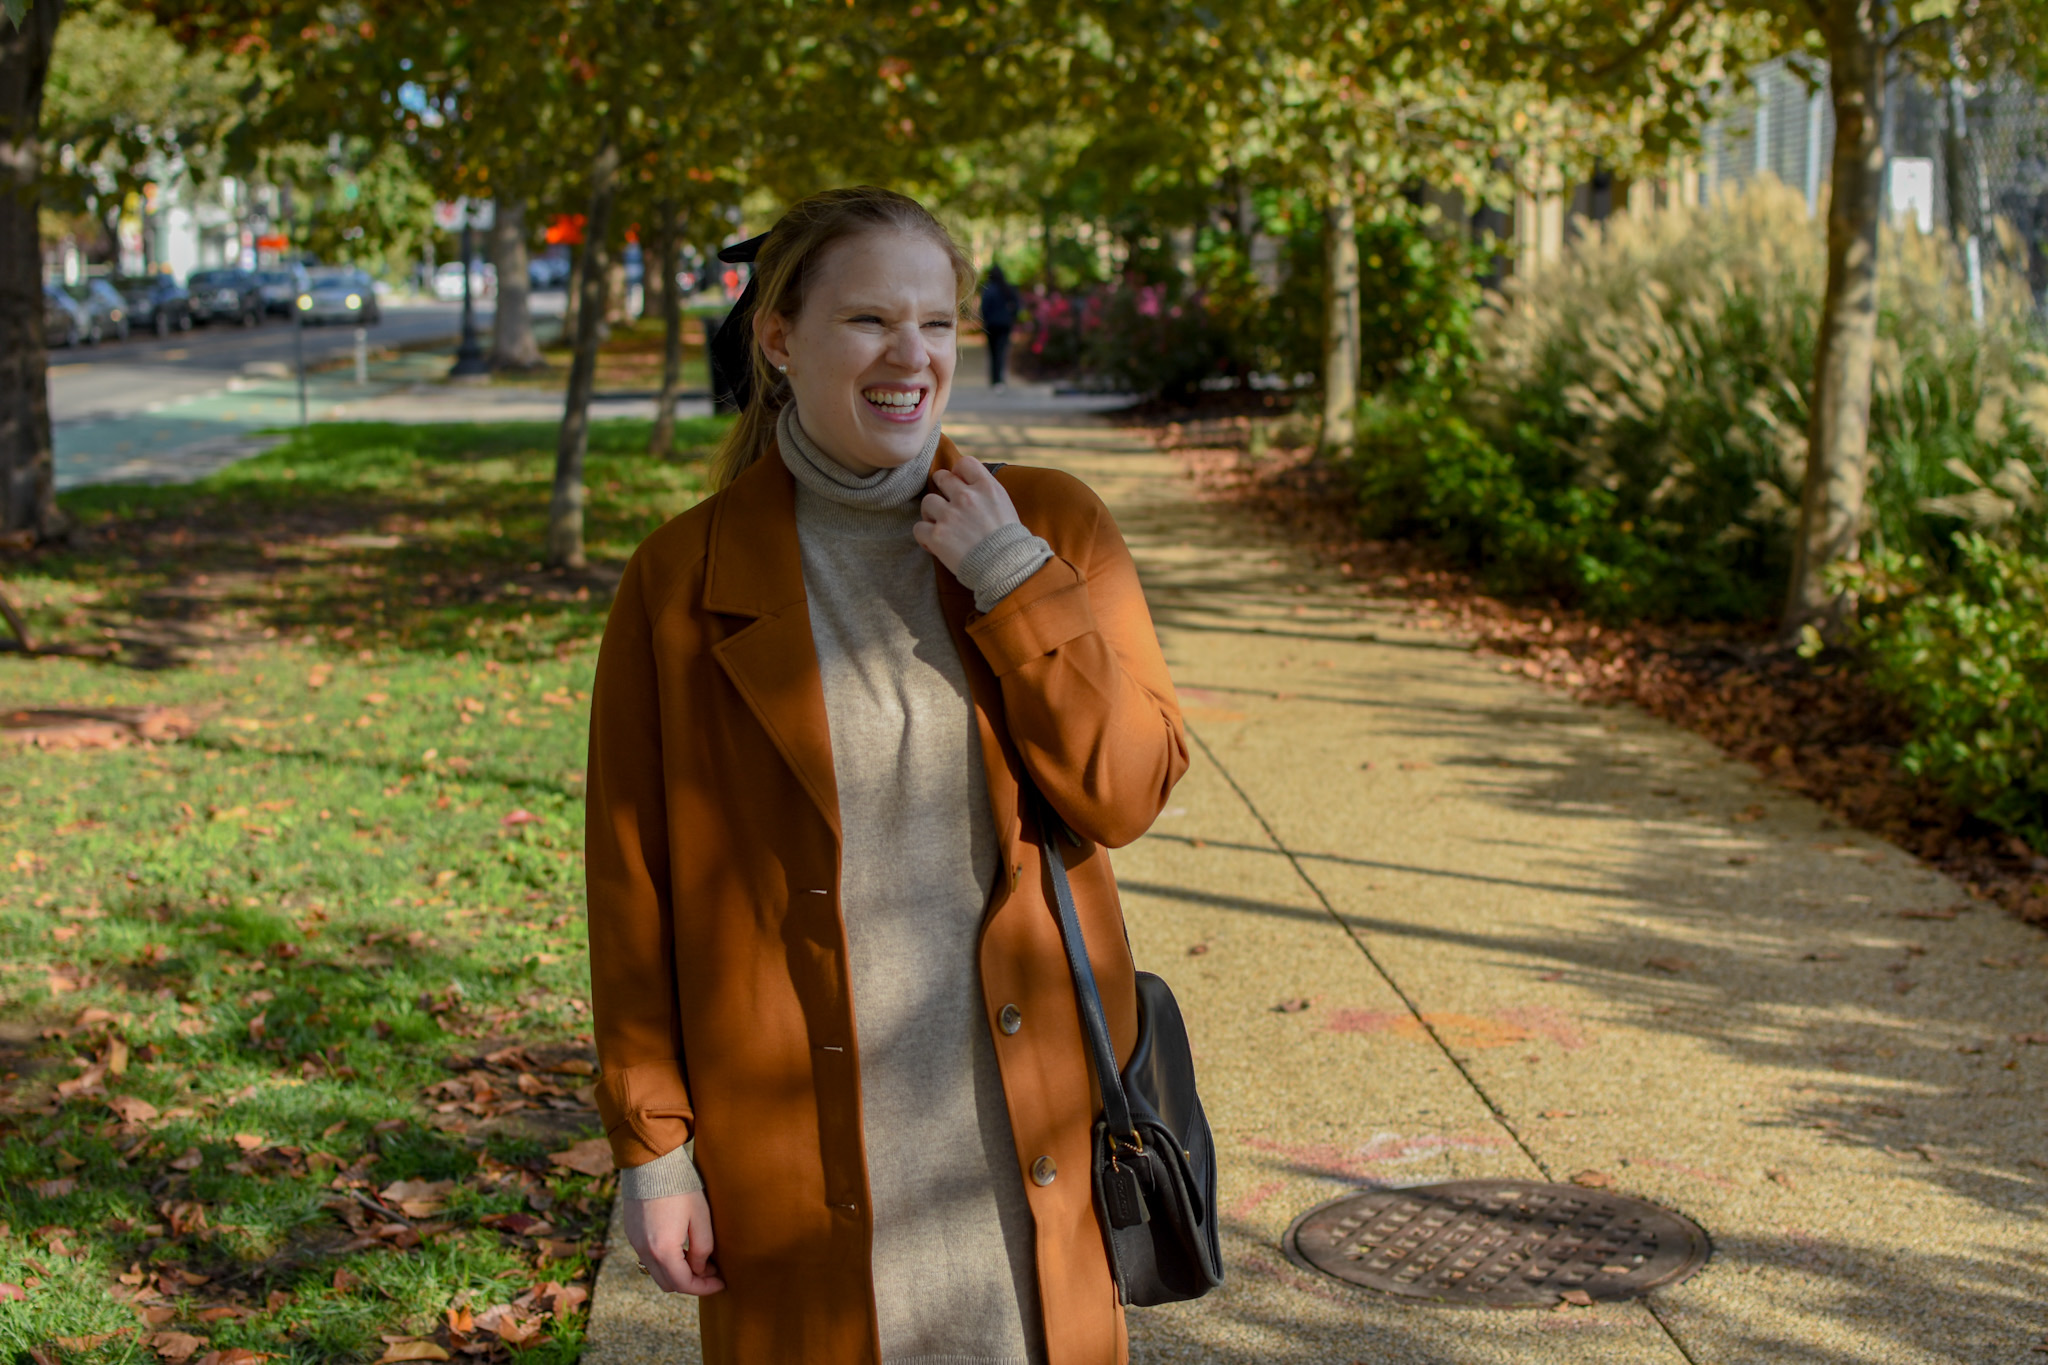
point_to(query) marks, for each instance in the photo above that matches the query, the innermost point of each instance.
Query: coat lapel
(754, 568)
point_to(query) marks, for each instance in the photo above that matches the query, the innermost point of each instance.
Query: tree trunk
(565, 508)
(28, 492)
(512, 343)
(574, 291)
(1838, 438)
(662, 444)
(1341, 305)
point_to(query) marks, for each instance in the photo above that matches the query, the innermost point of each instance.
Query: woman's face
(870, 357)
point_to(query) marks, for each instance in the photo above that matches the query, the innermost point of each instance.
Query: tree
(1594, 50)
(512, 343)
(28, 488)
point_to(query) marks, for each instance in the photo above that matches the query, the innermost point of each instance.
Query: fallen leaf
(234, 1355)
(1198, 950)
(592, 1156)
(1673, 965)
(54, 1189)
(412, 1350)
(190, 1161)
(92, 1342)
(1293, 1006)
(2033, 1039)
(250, 1142)
(1777, 1177)
(1593, 1180)
(11, 1292)
(132, 1109)
(519, 817)
(174, 1346)
(1577, 1298)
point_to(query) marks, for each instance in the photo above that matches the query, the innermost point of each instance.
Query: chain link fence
(1965, 160)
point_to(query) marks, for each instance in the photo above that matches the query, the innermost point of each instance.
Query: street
(119, 378)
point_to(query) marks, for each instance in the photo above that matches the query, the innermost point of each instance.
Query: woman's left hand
(968, 507)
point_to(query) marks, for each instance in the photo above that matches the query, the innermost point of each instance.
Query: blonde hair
(782, 272)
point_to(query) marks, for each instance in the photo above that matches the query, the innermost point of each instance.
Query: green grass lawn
(293, 1012)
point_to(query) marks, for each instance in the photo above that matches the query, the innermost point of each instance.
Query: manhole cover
(1499, 1243)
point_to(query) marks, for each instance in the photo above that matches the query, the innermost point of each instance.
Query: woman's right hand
(672, 1238)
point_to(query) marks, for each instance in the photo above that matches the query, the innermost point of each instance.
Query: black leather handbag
(1154, 1161)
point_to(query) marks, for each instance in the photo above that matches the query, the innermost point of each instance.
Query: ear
(771, 332)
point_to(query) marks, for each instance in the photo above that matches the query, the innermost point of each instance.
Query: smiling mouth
(896, 404)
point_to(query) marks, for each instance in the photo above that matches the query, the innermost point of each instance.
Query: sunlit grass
(232, 967)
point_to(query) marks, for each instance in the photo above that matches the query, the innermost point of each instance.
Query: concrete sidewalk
(1537, 939)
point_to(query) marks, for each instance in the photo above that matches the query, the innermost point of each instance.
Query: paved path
(1537, 939)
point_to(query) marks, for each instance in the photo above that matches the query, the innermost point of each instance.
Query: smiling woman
(844, 1071)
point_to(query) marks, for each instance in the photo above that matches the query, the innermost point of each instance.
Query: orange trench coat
(718, 954)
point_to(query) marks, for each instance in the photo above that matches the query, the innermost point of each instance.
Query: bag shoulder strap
(1116, 1108)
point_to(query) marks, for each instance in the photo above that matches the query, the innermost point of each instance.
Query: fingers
(701, 1243)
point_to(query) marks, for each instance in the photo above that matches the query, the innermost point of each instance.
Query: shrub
(1648, 396)
(1969, 660)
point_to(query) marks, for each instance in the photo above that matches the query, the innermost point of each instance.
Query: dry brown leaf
(1673, 965)
(132, 1109)
(174, 1346)
(1577, 1298)
(592, 1156)
(1593, 1180)
(414, 1349)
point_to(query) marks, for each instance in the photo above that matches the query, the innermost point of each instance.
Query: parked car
(65, 323)
(157, 302)
(483, 281)
(281, 288)
(104, 306)
(549, 270)
(226, 295)
(340, 294)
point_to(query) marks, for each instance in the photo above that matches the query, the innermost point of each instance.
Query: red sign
(275, 243)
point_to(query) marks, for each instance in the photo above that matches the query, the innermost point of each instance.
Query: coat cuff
(1046, 611)
(646, 1111)
(675, 1173)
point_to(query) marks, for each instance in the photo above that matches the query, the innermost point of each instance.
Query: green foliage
(1642, 404)
(1969, 661)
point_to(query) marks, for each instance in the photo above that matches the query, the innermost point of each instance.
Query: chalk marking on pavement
(1408, 1003)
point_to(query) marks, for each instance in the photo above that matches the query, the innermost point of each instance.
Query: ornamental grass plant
(1631, 440)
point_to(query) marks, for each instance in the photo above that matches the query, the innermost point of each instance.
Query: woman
(843, 1070)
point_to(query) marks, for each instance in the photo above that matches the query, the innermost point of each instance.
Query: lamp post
(469, 357)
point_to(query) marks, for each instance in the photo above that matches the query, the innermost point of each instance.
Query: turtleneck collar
(826, 477)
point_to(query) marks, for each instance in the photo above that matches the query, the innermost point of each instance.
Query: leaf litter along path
(294, 1054)
(1815, 728)
(1430, 922)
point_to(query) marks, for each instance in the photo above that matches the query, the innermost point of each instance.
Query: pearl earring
(783, 368)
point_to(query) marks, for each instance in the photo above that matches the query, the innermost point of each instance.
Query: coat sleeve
(1088, 698)
(641, 1094)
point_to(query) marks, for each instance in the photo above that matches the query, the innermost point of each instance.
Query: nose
(907, 348)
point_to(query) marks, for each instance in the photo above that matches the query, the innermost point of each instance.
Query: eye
(866, 318)
(943, 324)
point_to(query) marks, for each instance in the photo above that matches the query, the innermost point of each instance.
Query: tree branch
(1674, 11)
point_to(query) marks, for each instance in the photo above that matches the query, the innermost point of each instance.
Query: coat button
(1011, 1019)
(1044, 1170)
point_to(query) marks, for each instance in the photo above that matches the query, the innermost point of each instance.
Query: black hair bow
(732, 373)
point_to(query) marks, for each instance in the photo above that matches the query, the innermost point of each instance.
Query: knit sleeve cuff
(675, 1173)
(1005, 558)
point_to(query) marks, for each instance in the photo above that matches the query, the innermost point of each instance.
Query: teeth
(894, 398)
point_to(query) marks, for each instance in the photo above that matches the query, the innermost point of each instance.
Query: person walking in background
(999, 307)
(844, 1070)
